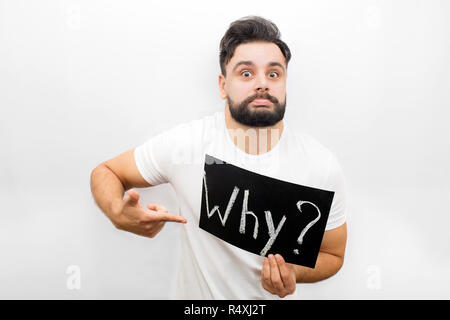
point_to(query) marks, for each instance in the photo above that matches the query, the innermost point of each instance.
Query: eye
(273, 72)
(245, 72)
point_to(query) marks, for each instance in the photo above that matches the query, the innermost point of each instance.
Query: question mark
(308, 226)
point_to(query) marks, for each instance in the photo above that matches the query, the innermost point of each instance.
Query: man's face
(256, 71)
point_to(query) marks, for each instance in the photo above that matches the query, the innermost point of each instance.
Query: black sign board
(263, 215)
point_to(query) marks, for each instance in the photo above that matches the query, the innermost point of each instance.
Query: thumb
(133, 198)
(157, 207)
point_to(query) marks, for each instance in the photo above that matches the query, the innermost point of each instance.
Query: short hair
(250, 29)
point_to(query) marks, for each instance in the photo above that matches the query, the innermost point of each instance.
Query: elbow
(124, 184)
(95, 171)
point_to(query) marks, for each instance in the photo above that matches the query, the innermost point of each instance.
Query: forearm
(326, 266)
(106, 188)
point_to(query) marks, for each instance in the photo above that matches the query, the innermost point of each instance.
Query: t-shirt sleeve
(150, 158)
(154, 158)
(336, 181)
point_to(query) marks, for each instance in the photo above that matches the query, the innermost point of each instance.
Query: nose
(262, 89)
(261, 84)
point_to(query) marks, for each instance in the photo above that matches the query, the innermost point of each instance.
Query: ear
(222, 92)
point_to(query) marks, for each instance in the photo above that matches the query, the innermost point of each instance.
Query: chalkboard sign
(263, 215)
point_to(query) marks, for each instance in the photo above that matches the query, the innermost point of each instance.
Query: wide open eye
(245, 72)
(273, 73)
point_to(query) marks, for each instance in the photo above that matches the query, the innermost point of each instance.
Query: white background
(82, 81)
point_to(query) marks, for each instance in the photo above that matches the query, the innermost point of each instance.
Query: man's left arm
(330, 258)
(280, 278)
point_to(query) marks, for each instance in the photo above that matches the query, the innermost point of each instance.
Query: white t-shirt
(210, 268)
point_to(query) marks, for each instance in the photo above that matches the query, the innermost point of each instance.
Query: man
(253, 63)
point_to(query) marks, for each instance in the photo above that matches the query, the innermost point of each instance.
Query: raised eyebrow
(250, 63)
(247, 63)
(273, 64)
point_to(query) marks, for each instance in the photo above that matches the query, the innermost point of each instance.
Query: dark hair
(250, 29)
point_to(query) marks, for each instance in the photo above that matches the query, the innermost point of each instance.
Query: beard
(260, 116)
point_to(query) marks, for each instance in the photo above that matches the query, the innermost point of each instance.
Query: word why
(273, 230)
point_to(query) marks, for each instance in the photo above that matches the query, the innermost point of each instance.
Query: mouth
(261, 102)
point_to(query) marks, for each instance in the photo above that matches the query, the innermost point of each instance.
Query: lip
(262, 101)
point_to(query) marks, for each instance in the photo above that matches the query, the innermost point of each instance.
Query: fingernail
(278, 257)
(270, 257)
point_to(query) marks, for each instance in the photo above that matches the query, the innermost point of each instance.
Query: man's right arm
(109, 181)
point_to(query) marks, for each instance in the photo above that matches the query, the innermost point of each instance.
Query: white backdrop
(82, 81)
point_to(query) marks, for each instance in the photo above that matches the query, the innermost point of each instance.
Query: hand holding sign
(128, 215)
(277, 276)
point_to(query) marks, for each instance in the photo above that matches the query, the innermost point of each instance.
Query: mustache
(262, 96)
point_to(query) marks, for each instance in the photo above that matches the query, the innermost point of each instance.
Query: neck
(253, 140)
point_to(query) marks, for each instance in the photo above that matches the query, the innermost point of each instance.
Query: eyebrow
(250, 63)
